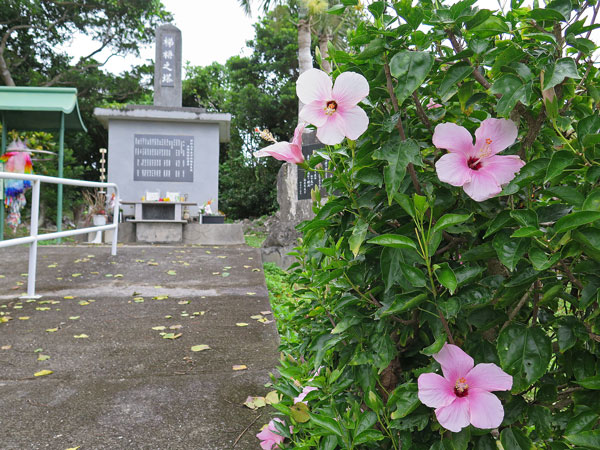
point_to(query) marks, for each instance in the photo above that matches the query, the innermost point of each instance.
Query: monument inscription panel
(167, 60)
(308, 180)
(163, 158)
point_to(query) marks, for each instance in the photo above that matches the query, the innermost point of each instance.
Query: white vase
(98, 220)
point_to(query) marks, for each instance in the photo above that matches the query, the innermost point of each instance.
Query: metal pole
(35, 208)
(115, 223)
(61, 157)
(2, 184)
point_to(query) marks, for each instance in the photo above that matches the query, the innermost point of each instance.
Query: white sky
(211, 30)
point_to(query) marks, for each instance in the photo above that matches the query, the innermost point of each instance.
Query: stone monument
(294, 186)
(164, 149)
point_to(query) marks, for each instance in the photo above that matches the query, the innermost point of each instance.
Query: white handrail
(33, 237)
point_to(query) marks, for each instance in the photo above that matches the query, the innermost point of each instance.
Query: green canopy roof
(39, 108)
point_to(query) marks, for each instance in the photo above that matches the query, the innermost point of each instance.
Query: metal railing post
(35, 208)
(116, 224)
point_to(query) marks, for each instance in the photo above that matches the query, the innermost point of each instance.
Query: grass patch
(283, 302)
(255, 239)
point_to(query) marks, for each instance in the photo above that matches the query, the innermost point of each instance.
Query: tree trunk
(324, 49)
(304, 56)
(5, 73)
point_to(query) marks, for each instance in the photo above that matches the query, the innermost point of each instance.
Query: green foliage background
(396, 263)
(259, 91)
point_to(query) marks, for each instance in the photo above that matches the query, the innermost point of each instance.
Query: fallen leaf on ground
(84, 303)
(68, 297)
(183, 302)
(171, 272)
(25, 317)
(51, 330)
(6, 347)
(241, 324)
(172, 336)
(159, 328)
(119, 275)
(257, 317)
(153, 263)
(225, 274)
(42, 373)
(255, 402)
(73, 317)
(200, 348)
(80, 336)
(199, 313)
(272, 398)
(157, 287)
(75, 275)
(240, 367)
(250, 293)
(168, 317)
(160, 297)
(264, 320)
(43, 357)
(175, 327)
(264, 313)
(51, 266)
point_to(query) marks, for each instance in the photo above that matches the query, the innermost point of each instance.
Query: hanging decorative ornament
(16, 160)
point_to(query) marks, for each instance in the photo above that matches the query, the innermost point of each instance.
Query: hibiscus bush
(449, 282)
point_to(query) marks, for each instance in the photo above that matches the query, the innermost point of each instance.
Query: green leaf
(592, 201)
(393, 240)
(398, 154)
(413, 275)
(366, 421)
(336, 9)
(592, 383)
(575, 220)
(497, 223)
(567, 193)
(435, 347)
(402, 303)
(561, 69)
(509, 250)
(448, 220)
(512, 90)
(369, 175)
(346, 323)
(406, 400)
(491, 27)
(588, 439)
(558, 163)
(524, 353)
(446, 277)
(525, 217)
(300, 412)
(374, 48)
(590, 239)
(411, 69)
(527, 232)
(514, 439)
(358, 236)
(454, 75)
(327, 423)
(541, 418)
(368, 436)
(585, 420)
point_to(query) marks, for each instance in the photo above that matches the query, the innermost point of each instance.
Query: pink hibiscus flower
(477, 168)
(304, 393)
(333, 111)
(269, 436)
(462, 396)
(286, 151)
(432, 104)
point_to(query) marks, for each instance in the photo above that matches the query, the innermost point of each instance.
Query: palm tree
(304, 40)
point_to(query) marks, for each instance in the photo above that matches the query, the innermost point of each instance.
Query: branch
(445, 325)
(421, 112)
(73, 69)
(457, 49)
(517, 308)
(390, 88)
(569, 274)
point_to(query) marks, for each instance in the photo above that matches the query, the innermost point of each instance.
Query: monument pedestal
(159, 232)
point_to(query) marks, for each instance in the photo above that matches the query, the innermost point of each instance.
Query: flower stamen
(461, 388)
(330, 107)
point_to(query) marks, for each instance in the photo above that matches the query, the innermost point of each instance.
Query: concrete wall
(206, 160)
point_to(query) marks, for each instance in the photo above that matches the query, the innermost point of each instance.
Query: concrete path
(116, 382)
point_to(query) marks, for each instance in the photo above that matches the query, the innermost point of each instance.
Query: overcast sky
(212, 30)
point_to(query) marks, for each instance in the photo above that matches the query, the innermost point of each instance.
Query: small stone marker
(308, 180)
(167, 70)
